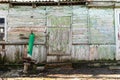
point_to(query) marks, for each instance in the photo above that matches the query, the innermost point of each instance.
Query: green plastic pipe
(31, 44)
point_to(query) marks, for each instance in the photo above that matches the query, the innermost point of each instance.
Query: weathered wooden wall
(79, 32)
(102, 33)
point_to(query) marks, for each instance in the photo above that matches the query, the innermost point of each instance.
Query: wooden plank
(101, 4)
(21, 34)
(26, 16)
(39, 53)
(15, 53)
(16, 37)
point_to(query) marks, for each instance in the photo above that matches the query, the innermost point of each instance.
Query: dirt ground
(82, 73)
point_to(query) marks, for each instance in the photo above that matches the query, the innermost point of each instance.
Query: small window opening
(2, 29)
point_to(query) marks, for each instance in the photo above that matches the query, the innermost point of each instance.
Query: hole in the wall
(31, 16)
(2, 29)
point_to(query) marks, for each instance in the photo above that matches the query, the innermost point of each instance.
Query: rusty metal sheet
(101, 25)
(102, 52)
(59, 41)
(80, 52)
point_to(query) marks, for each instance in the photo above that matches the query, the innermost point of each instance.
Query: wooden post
(4, 53)
(3, 46)
(26, 66)
(25, 51)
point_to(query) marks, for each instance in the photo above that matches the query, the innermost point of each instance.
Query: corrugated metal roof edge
(6, 1)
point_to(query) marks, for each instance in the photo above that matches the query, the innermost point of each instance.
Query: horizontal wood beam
(93, 43)
(19, 43)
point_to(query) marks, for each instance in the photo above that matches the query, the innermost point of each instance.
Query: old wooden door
(59, 26)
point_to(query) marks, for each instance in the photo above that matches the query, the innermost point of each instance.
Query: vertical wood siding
(102, 52)
(80, 52)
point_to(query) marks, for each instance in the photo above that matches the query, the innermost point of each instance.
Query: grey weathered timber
(75, 32)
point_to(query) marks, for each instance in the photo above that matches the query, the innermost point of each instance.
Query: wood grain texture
(80, 30)
(91, 29)
(59, 41)
(102, 52)
(101, 26)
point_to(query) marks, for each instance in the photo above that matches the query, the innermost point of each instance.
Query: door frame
(117, 32)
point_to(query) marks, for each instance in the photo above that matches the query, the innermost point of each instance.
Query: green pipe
(31, 44)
